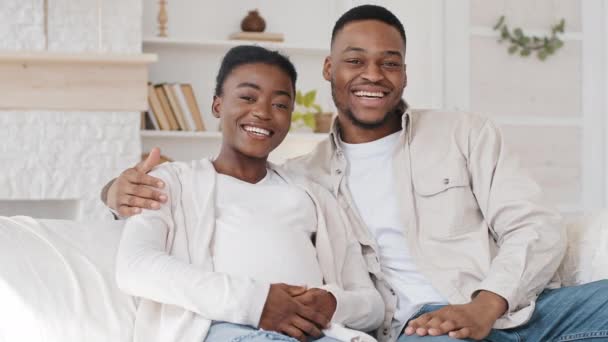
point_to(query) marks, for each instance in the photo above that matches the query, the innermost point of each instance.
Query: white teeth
(257, 130)
(362, 93)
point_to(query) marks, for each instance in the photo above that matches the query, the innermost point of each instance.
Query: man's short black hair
(251, 54)
(368, 12)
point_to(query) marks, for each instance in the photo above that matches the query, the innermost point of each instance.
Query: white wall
(52, 155)
(550, 111)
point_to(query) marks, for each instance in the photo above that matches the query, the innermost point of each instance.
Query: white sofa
(57, 278)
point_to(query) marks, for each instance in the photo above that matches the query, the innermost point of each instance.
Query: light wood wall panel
(506, 85)
(537, 14)
(552, 156)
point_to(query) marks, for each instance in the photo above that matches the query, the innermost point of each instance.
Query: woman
(214, 263)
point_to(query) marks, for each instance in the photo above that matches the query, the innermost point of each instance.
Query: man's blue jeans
(229, 332)
(566, 314)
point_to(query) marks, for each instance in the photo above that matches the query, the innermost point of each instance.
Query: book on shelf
(181, 102)
(164, 102)
(176, 107)
(188, 93)
(173, 106)
(156, 109)
(150, 122)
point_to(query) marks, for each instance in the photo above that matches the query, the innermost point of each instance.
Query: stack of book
(172, 107)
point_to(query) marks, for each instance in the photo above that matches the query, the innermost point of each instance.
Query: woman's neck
(234, 164)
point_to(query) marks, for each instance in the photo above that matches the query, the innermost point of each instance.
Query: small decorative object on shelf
(163, 18)
(253, 26)
(308, 115)
(323, 122)
(525, 45)
(253, 22)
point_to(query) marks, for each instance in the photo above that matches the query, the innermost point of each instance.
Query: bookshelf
(196, 61)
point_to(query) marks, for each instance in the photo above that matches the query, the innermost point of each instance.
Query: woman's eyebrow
(249, 85)
(282, 92)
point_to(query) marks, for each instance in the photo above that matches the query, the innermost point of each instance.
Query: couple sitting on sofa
(419, 225)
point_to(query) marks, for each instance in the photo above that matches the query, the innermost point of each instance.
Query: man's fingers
(307, 327)
(461, 334)
(126, 211)
(432, 326)
(137, 202)
(150, 162)
(143, 191)
(420, 321)
(447, 326)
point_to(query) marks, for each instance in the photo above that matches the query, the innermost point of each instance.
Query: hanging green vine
(525, 45)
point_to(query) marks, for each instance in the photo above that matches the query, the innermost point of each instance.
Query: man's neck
(353, 134)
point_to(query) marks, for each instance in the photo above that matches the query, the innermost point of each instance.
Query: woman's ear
(216, 106)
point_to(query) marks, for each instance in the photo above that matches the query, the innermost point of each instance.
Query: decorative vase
(163, 18)
(253, 22)
(323, 122)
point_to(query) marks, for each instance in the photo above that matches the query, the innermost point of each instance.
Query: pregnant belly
(273, 256)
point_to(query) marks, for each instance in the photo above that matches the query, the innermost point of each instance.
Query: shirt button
(385, 331)
(392, 292)
(446, 181)
(338, 171)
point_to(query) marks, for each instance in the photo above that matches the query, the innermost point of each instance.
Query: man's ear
(327, 68)
(404, 75)
(216, 106)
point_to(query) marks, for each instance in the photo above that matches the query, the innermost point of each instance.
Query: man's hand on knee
(473, 320)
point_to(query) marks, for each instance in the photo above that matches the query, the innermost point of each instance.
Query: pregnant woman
(242, 250)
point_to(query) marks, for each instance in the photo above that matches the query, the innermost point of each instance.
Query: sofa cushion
(586, 259)
(57, 282)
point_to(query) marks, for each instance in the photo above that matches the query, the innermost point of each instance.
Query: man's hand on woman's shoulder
(134, 189)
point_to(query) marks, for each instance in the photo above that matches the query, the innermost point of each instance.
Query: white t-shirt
(370, 178)
(263, 231)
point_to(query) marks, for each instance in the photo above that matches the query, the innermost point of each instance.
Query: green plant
(525, 45)
(306, 108)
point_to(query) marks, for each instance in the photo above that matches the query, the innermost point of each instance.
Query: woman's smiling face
(255, 109)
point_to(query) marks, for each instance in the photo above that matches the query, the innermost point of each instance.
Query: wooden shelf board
(73, 81)
(226, 44)
(94, 58)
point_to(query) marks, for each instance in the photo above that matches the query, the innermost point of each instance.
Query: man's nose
(373, 73)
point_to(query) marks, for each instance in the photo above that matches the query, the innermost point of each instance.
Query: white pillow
(57, 282)
(587, 255)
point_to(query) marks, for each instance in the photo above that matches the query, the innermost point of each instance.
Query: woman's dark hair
(250, 54)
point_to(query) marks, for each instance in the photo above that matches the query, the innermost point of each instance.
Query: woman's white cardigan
(164, 258)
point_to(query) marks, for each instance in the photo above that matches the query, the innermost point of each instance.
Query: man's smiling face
(367, 72)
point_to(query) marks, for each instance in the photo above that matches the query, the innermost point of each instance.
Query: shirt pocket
(445, 202)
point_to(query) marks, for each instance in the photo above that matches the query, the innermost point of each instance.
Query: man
(451, 227)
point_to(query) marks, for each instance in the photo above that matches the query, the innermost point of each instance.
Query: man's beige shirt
(474, 219)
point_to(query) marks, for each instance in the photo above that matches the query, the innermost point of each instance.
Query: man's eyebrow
(353, 48)
(392, 53)
(358, 49)
(248, 85)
